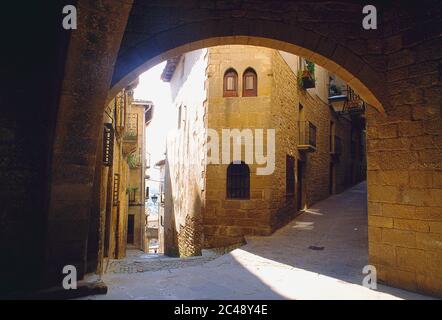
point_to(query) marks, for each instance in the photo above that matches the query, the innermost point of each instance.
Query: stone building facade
(185, 162)
(140, 113)
(200, 211)
(122, 196)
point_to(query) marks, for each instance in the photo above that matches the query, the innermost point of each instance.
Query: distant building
(161, 166)
(319, 150)
(141, 115)
(123, 173)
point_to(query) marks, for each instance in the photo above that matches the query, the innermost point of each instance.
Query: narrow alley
(171, 149)
(319, 255)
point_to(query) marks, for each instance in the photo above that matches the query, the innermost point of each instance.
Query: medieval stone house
(317, 151)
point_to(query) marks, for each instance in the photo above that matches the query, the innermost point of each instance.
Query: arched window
(238, 181)
(250, 83)
(230, 83)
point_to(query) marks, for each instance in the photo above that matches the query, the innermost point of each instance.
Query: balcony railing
(120, 113)
(307, 136)
(345, 100)
(131, 129)
(130, 136)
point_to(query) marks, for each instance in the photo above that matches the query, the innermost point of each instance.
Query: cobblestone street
(138, 262)
(319, 255)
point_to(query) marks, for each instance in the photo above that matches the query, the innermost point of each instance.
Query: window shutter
(249, 83)
(230, 83)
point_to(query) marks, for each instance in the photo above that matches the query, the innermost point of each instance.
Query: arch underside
(139, 51)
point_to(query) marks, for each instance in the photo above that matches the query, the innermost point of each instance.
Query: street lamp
(154, 198)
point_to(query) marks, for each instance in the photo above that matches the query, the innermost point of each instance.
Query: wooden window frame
(238, 181)
(250, 92)
(230, 93)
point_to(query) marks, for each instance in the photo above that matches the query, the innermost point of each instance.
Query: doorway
(130, 229)
(331, 181)
(299, 186)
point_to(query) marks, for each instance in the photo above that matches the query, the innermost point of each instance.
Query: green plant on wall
(310, 68)
(306, 76)
(131, 192)
(299, 76)
(132, 161)
(335, 90)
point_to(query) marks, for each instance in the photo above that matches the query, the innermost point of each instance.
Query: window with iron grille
(290, 175)
(238, 181)
(108, 144)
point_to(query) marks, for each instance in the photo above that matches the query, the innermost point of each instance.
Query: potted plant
(131, 192)
(335, 90)
(306, 77)
(132, 161)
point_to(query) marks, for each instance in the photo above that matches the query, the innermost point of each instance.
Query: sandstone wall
(185, 157)
(286, 98)
(136, 179)
(226, 221)
(405, 191)
(276, 107)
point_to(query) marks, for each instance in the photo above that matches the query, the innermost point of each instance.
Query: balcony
(307, 136)
(130, 136)
(345, 101)
(120, 114)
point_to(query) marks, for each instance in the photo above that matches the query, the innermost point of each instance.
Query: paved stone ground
(319, 255)
(137, 261)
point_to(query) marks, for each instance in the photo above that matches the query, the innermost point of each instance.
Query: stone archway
(366, 90)
(328, 33)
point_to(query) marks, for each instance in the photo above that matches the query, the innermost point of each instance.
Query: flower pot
(308, 82)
